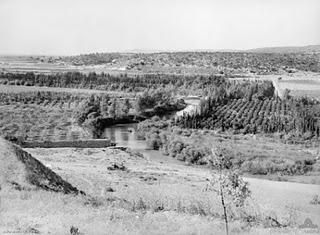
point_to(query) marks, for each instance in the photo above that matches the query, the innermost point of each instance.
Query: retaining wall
(92, 143)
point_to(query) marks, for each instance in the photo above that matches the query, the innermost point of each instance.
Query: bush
(260, 166)
(155, 124)
(315, 200)
(153, 141)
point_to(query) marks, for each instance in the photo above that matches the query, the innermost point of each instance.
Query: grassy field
(151, 196)
(260, 155)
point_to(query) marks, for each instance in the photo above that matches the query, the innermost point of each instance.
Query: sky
(71, 27)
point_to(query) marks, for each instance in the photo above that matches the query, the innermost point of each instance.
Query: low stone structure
(91, 143)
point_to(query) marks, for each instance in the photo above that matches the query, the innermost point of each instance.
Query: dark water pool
(125, 135)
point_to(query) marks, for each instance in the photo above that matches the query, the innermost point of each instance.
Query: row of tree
(104, 81)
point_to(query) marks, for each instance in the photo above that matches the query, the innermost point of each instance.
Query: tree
(227, 183)
(286, 94)
(152, 99)
(113, 108)
(87, 106)
(145, 101)
(126, 106)
(104, 105)
(93, 125)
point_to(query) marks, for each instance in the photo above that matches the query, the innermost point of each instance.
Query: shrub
(153, 141)
(315, 200)
(227, 183)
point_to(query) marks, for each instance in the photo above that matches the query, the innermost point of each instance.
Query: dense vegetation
(93, 112)
(97, 112)
(248, 155)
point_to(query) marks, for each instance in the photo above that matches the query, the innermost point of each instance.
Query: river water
(125, 135)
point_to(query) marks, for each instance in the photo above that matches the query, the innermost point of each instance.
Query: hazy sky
(82, 26)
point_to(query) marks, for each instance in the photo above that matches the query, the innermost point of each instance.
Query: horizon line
(151, 51)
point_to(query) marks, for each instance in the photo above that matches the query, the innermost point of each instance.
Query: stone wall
(92, 143)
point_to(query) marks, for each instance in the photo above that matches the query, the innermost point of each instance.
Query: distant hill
(303, 49)
(290, 49)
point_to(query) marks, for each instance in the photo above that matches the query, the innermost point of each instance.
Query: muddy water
(125, 135)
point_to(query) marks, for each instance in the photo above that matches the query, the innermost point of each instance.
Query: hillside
(297, 49)
(267, 60)
(21, 171)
